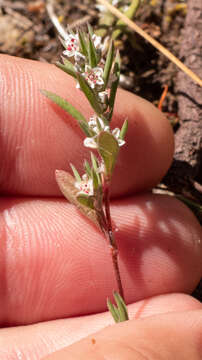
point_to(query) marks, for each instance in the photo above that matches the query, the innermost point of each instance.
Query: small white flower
(85, 186)
(72, 45)
(94, 76)
(91, 141)
(116, 133)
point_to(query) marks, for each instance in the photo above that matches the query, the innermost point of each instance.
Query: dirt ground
(27, 31)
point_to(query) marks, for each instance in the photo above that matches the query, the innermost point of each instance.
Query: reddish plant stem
(111, 238)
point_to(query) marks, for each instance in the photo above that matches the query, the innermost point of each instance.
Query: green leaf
(85, 200)
(70, 109)
(108, 148)
(113, 311)
(95, 179)
(87, 168)
(75, 172)
(89, 93)
(95, 168)
(66, 183)
(118, 311)
(124, 130)
(114, 85)
(67, 67)
(83, 43)
(90, 29)
(122, 309)
(94, 161)
(64, 104)
(92, 54)
(130, 13)
(84, 126)
(108, 64)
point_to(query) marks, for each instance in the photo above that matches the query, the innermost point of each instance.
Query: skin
(55, 266)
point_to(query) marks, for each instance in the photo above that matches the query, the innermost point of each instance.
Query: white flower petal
(100, 81)
(90, 142)
(116, 132)
(121, 142)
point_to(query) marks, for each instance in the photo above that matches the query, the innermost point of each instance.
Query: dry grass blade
(152, 41)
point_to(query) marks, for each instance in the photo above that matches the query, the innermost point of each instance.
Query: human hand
(55, 267)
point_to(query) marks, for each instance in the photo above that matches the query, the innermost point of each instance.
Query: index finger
(37, 137)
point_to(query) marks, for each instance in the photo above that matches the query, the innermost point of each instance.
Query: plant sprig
(98, 79)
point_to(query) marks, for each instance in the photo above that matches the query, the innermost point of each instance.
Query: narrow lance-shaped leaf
(83, 43)
(92, 55)
(70, 109)
(95, 179)
(130, 13)
(87, 168)
(90, 29)
(89, 93)
(94, 161)
(75, 172)
(123, 313)
(95, 167)
(123, 130)
(108, 64)
(67, 67)
(108, 148)
(118, 311)
(113, 311)
(114, 85)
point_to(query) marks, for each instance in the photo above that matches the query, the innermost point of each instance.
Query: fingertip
(37, 134)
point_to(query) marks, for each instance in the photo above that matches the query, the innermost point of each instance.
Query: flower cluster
(97, 75)
(87, 61)
(98, 125)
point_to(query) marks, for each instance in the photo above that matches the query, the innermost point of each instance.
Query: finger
(55, 264)
(37, 137)
(165, 336)
(36, 341)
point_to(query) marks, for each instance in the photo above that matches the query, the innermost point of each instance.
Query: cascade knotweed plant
(83, 59)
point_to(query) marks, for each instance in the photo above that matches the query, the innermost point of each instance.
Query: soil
(27, 31)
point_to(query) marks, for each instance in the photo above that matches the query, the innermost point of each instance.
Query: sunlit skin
(55, 266)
